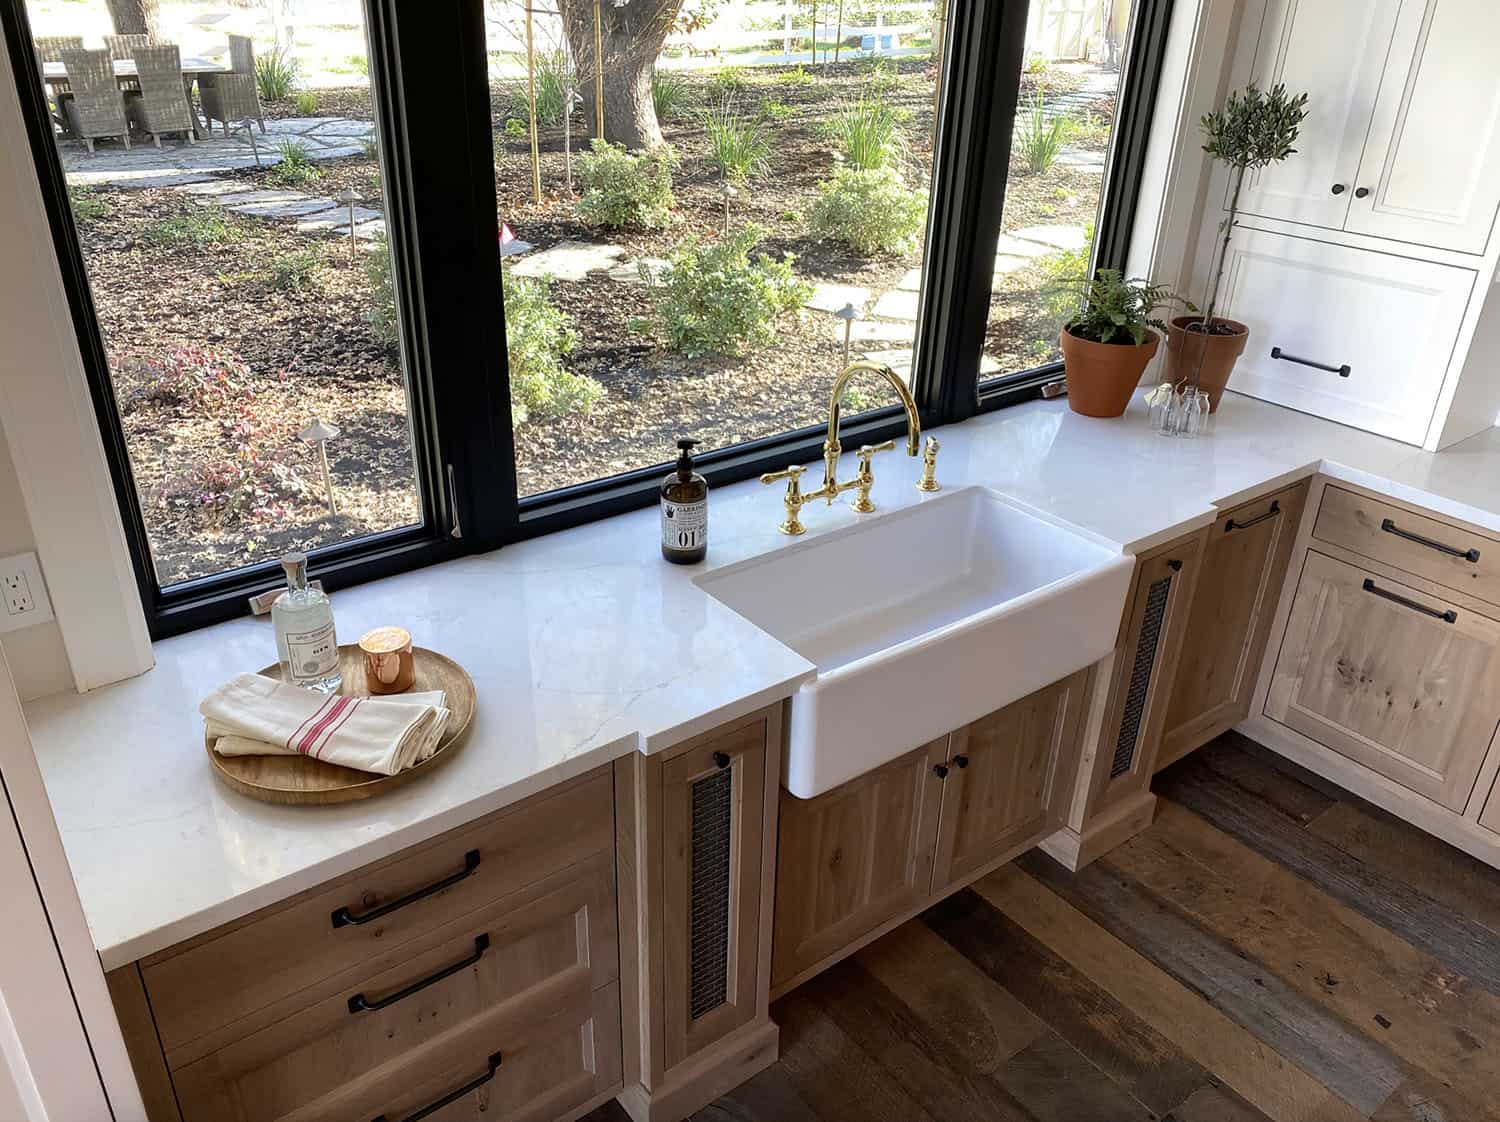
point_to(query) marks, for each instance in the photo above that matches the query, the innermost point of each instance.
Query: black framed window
(488, 346)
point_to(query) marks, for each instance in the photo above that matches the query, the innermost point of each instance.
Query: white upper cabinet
(1402, 137)
(1431, 167)
(1333, 49)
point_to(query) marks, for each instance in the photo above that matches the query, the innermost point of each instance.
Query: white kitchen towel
(256, 716)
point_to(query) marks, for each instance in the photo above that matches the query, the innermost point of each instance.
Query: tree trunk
(632, 38)
(133, 17)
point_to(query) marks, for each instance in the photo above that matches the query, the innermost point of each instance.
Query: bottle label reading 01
(314, 655)
(684, 525)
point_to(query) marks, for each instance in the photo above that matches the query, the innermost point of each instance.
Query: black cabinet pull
(721, 760)
(940, 770)
(1231, 526)
(961, 761)
(1450, 616)
(1361, 192)
(361, 1004)
(343, 917)
(1339, 188)
(1469, 555)
(1341, 371)
(1175, 565)
(451, 1096)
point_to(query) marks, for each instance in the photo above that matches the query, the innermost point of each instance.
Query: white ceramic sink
(923, 620)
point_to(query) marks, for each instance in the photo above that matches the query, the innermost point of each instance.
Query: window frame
(440, 204)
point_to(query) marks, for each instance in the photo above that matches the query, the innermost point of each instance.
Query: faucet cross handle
(792, 500)
(865, 479)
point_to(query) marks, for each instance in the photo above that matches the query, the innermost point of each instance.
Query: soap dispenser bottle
(684, 511)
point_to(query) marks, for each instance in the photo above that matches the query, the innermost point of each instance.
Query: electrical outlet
(23, 596)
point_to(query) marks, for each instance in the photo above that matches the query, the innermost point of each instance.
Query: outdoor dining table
(56, 74)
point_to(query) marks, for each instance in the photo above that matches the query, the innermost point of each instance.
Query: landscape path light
(318, 434)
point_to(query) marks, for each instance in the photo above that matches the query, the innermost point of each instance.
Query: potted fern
(1108, 341)
(1254, 129)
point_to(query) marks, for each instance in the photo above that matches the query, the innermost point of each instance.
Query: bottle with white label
(684, 511)
(306, 644)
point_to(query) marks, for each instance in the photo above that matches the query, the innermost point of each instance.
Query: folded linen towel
(256, 716)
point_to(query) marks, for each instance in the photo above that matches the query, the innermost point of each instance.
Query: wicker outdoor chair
(233, 98)
(162, 105)
(121, 47)
(49, 48)
(97, 107)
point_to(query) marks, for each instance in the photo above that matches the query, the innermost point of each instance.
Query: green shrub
(774, 109)
(515, 129)
(197, 228)
(538, 334)
(359, 64)
(88, 204)
(670, 94)
(553, 81)
(275, 75)
(382, 313)
(797, 76)
(869, 210)
(881, 76)
(739, 146)
(728, 80)
(1060, 267)
(307, 102)
(296, 168)
(867, 131)
(621, 190)
(1041, 140)
(200, 379)
(715, 300)
(293, 271)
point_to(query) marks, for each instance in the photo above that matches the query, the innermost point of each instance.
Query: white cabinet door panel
(1432, 163)
(1391, 320)
(1334, 50)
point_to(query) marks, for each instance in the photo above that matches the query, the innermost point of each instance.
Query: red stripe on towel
(338, 723)
(291, 741)
(311, 736)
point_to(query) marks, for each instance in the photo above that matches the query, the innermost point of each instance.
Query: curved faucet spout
(913, 422)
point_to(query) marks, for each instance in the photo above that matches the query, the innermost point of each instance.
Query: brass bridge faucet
(795, 498)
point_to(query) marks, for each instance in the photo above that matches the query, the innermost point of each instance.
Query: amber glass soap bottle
(684, 511)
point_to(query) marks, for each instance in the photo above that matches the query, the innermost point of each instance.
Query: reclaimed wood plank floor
(1271, 949)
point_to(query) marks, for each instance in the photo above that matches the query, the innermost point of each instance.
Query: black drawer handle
(721, 760)
(344, 917)
(960, 761)
(1469, 555)
(451, 1096)
(1341, 371)
(940, 770)
(1361, 192)
(1450, 616)
(361, 1004)
(1338, 188)
(1232, 525)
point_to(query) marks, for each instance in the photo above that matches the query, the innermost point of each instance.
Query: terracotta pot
(1184, 348)
(1102, 376)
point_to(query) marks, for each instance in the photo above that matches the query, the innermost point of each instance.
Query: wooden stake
(536, 159)
(598, 69)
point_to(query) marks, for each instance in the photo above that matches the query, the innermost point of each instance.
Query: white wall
(36, 654)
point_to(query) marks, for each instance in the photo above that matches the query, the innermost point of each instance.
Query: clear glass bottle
(684, 511)
(306, 644)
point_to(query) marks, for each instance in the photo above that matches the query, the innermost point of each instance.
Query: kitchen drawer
(272, 959)
(547, 948)
(1459, 559)
(1314, 309)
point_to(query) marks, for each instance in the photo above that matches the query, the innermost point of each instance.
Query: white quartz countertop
(585, 645)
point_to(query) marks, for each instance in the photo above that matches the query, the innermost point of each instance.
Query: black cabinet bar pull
(1361, 192)
(361, 1004)
(1341, 371)
(1450, 616)
(1338, 188)
(451, 1096)
(343, 917)
(721, 760)
(1232, 525)
(1469, 555)
(1175, 565)
(940, 770)
(961, 761)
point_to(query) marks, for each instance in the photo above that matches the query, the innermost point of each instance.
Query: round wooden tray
(300, 780)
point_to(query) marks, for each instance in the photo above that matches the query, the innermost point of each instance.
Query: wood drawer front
(1489, 818)
(1338, 306)
(1374, 529)
(1391, 683)
(548, 946)
(226, 975)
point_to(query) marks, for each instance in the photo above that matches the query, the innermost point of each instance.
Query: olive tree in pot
(1254, 129)
(1108, 341)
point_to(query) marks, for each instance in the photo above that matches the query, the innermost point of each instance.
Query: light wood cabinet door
(1431, 167)
(1244, 565)
(1489, 818)
(854, 858)
(1391, 676)
(1009, 779)
(712, 822)
(1334, 50)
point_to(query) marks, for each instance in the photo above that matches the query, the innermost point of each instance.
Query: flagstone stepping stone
(165, 179)
(898, 361)
(336, 152)
(344, 126)
(1017, 248)
(369, 231)
(207, 187)
(1081, 160)
(832, 297)
(897, 305)
(911, 281)
(335, 220)
(248, 194)
(290, 208)
(988, 364)
(570, 261)
(629, 272)
(1009, 263)
(880, 331)
(1058, 237)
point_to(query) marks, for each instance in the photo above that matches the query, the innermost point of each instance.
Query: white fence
(780, 27)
